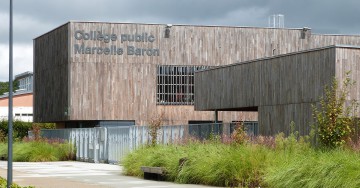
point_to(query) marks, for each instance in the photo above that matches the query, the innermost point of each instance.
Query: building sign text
(113, 49)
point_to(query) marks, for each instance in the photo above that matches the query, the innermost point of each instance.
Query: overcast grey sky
(35, 17)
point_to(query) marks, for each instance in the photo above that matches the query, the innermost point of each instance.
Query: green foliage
(213, 137)
(2, 136)
(21, 128)
(33, 150)
(39, 151)
(154, 156)
(3, 183)
(334, 121)
(293, 143)
(224, 165)
(45, 125)
(315, 168)
(213, 163)
(4, 86)
(291, 163)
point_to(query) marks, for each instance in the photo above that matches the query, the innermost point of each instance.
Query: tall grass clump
(224, 165)
(38, 151)
(211, 163)
(288, 162)
(315, 168)
(156, 156)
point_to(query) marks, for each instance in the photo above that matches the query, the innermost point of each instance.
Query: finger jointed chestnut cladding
(91, 72)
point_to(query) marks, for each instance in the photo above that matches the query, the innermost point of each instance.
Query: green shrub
(21, 128)
(334, 121)
(45, 125)
(3, 150)
(2, 136)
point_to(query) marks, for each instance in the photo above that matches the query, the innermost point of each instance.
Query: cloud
(36, 17)
(254, 17)
(25, 28)
(327, 17)
(33, 18)
(22, 60)
(56, 10)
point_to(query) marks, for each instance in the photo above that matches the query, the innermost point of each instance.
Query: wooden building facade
(91, 71)
(281, 88)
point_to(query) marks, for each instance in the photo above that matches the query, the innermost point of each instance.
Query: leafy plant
(36, 132)
(154, 127)
(21, 128)
(239, 135)
(4, 86)
(2, 136)
(3, 184)
(334, 121)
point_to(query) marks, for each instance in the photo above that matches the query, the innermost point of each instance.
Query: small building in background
(25, 80)
(22, 99)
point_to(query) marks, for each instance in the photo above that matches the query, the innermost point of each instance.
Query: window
(26, 83)
(175, 84)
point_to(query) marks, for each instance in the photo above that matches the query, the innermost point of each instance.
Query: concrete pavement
(79, 175)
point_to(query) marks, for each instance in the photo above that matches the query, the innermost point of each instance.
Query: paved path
(79, 175)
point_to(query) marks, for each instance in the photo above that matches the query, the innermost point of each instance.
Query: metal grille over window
(175, 84)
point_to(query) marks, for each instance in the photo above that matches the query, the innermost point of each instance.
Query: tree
(4, 86)
(335, 120)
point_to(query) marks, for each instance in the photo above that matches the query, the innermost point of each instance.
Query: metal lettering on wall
(113, 49)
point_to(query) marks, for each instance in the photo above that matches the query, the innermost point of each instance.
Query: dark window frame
(175, 84)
